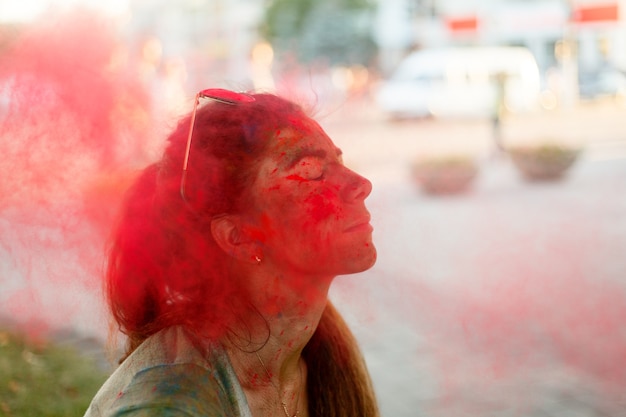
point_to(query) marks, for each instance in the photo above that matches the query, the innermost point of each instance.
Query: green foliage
(547, 152)
(285, 18)
(44, 380)
(338, 31)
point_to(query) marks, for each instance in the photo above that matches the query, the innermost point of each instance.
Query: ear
(227, 231)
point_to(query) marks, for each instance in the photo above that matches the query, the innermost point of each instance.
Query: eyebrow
(308, 152)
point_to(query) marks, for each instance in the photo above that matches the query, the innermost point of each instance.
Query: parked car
(605, 82)
(461, 82)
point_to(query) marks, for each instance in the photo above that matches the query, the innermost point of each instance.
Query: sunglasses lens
(217, 94)
(226, 96)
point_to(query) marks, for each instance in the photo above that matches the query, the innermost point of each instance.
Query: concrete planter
(444, 175)
(543, 162)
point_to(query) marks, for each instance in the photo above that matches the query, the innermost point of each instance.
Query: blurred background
(492, 131)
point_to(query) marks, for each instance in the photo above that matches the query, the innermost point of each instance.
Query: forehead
(304, 138)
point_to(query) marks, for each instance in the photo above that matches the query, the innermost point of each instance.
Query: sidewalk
(586, 123)
(506, 301)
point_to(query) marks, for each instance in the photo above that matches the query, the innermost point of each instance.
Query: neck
(278, 327)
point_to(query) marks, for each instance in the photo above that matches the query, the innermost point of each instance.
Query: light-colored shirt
(168, 375)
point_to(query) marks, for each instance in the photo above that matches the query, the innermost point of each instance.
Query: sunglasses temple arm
(183, 179)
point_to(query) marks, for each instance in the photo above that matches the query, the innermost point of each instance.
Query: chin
(371, 260)
(363, 260)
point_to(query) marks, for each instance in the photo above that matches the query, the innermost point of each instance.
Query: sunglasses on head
(217, 94)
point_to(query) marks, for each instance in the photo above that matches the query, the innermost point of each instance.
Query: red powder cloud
(74, 121)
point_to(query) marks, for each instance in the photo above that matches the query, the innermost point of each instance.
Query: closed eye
(309, 168)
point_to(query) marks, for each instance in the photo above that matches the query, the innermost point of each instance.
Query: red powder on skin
(323, 205)
(295, 177)
(258, 235)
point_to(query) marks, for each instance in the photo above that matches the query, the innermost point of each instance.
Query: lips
(363, 223)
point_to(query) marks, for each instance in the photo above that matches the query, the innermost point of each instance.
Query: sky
(27, 10)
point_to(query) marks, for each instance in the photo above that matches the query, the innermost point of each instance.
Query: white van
(461, 82)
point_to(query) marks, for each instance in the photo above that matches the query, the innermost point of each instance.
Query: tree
(339, 31)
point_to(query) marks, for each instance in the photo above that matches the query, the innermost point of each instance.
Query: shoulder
(166, 376)
(173, 389)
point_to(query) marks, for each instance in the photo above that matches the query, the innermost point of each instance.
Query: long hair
(165, 269)
(338, 383)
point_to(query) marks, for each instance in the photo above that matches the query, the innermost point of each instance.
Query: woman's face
(308, 209)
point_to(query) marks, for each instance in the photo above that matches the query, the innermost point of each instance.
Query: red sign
(462, 24)
(596, 13)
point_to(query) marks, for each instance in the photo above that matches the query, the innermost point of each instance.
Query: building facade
(583, 36)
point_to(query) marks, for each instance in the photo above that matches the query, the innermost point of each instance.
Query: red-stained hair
(165, 269)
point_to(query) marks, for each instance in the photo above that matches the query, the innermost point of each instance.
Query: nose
(357, 187)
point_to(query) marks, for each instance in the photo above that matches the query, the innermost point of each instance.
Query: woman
(219, 271)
